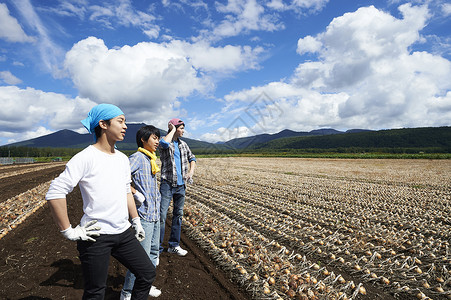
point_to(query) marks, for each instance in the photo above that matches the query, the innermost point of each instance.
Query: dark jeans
(177, 194)
(95, 259)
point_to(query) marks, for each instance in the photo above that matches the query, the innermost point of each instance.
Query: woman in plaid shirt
(177, 168)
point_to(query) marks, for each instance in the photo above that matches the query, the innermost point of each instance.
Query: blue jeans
(177, 194)
(151, 245)
(95, 258)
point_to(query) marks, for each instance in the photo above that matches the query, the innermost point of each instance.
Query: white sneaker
(154, 292)
(125, 296)
(158, 261)
(178, 250)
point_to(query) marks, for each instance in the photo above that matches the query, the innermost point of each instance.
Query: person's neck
(175, 138)
(104, 145)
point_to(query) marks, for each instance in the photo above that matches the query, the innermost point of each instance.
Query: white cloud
(152, 31)
(50, 53)
(10, 29)
(277, 5)
(24, 110)
(223, 134)
(273, 90)
(110, 14)
(446, 8)
(365, 76)
(18, 64)
(9, 78)
(247, 16)
(146, 77)
(241, 16)
(122, 13)
(102, 14)
(40, 131)
(311, 6)
(70, 8)
(308, 44)
(149, 77)
(218, 59)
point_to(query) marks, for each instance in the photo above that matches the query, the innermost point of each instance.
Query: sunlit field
(286, 228)
(324, 228)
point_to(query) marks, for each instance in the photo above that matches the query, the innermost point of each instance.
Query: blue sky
(227, 68)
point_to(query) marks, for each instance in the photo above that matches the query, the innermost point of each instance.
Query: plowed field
(260, 228)
(36, 262)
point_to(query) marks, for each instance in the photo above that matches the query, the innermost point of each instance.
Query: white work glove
(137, 227)
(82, 233)
(139, 198)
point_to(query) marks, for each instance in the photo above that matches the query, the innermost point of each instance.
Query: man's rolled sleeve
(164, 144)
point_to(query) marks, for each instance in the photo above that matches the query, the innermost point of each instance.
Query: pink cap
(176, 122)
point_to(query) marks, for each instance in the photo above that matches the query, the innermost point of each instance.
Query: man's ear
(103, 124)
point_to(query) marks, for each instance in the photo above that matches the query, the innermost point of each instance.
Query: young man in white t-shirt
(103, 175)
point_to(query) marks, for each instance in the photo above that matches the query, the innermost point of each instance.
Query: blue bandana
(100, 112)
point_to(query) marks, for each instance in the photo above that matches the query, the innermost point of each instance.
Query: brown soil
(36, 262)
(14, 185)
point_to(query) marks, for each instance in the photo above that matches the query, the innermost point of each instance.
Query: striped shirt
(146, 183)
(168, 165)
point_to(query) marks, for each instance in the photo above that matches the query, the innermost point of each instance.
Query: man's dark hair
(145, 132)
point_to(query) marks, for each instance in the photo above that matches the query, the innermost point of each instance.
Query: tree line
(23, 151)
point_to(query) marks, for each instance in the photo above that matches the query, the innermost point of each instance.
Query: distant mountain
(426, 137)
(61, 139)
(244, 142)
(357, 130)
(437, 139)
(70, 139)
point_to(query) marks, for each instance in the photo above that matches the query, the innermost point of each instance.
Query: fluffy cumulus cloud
(366, 76)
(146, 73)
(24, 111)
(149, 77)
(10, 29)
(387, 84)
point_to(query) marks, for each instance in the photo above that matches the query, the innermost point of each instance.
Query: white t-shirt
(104, 181)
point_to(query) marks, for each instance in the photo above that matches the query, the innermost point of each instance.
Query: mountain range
(70, 139)
(326, 138)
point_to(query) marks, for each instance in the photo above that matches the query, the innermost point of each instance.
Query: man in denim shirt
(177, 168)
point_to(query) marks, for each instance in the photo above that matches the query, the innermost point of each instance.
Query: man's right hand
(82, 233)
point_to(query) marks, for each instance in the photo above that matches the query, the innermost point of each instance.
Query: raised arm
(171, 132)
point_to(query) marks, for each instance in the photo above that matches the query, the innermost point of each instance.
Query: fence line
(18, 160)
(6, 160)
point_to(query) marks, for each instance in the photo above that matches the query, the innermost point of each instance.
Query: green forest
(429, 140)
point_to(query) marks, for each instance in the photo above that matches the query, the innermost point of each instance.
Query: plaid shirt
(168, 169)
(146, 183)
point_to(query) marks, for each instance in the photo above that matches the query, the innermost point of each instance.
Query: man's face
(180, 131)
(116, 129)
(152, 143)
